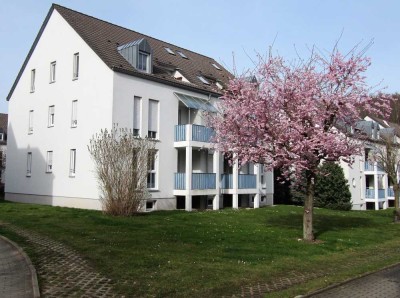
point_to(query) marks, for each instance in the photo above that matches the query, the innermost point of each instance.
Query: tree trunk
(308, 234)
(396, 189)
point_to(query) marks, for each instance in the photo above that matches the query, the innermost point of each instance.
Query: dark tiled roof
(104, 38)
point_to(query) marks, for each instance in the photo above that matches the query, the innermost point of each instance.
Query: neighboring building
(3, 145)
(83, 74)
(369, 184)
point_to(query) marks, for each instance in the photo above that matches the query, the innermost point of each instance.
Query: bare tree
(387, 153)
(121, 161)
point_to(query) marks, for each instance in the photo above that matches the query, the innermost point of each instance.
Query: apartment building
(370, 187)
(82, 75)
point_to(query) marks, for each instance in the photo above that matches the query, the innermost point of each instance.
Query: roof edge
(35, 42)
(166, 82)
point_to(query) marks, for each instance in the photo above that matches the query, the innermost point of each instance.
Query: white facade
(369, 184)
(55, 109)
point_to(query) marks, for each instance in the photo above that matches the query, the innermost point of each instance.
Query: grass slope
(176, 253)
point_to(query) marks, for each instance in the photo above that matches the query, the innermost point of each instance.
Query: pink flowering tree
(296, 116)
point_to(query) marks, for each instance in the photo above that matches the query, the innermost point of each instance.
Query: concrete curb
(347, 281)
(35, 284)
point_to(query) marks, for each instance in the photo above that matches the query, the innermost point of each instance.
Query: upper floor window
(74, 114)
(137, 102)
(143, 61)
(30, 124)
(49, 162)
(203, 80)
(53, 72)
(75, 73)
(51, 116)
(153, 119)
(33, 77)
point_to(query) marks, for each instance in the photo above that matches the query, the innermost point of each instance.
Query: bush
(331, 188)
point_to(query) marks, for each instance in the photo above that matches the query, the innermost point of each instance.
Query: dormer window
(203, 80)
(219, 85)
(138, 53)
(143, 61)
(169, 51)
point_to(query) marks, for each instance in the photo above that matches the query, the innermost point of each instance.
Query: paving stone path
(62, 271)
(296, 278)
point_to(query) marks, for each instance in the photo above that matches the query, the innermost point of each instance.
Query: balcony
(244, 181)
(390, 192)
(199, 181)
(369, 166)
(370, 193)
(199, 133)
(203, 181)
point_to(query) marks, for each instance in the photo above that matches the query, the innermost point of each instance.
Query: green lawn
(176, 253)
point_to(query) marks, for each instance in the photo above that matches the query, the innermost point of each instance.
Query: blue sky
(219, 28)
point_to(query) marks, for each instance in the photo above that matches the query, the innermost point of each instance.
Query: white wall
(93, 90)
(356, 180)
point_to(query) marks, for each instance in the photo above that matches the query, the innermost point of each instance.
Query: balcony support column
(235, 185)
(217, 171)
(188, 179)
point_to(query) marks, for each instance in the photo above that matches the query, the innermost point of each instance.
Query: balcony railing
(200, 133)
(380, 167)
(369, 166)
(180, 133)
(370, 193)
(203, 180)
(381, 193)
(247, 181)
(227, 181)
(390, 192)
(179, 181)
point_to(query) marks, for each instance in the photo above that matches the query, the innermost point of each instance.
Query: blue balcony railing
(380, 167)
(247, 181)
(381, 193)
(201, 133)
(390, 192)
(180, 133)
(203, 181)
(369, 166)
(370, 193)
(227, 181)
(180, 180)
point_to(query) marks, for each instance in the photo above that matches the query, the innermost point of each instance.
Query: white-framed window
(51, 116)
(33, 78)
(153, 119)
(72, 162)
(137, 112)
(152, 170)
(53, 72)
(30, 123)
(49, 162)
(75, 72)
(74, 113)
(29, 164)
(1, 139)
(143, 61)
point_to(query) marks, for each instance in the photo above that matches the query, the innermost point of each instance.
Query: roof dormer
(139, 54)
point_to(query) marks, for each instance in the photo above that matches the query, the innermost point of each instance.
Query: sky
(232, 32)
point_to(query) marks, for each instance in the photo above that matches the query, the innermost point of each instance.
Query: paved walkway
(17, 275)
(384, 283)
(61, 270)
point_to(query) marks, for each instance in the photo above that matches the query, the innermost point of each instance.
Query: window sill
(30, 132)
(74, 126)
(153, 190)
(75, 79)
(72, 176)
(32, 91)
(49, 172)
(48, 126)
(52, 82)
(28, 175)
